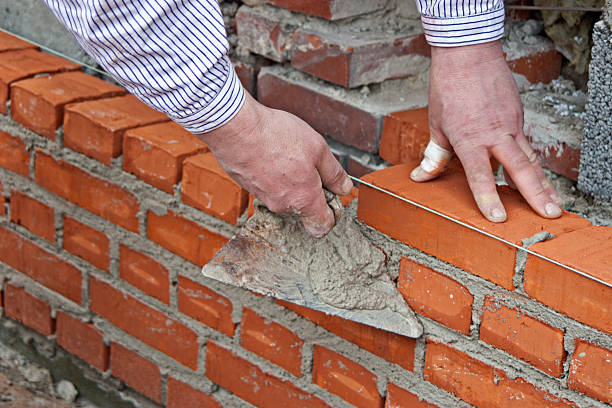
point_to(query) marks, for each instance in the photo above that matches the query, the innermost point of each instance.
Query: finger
(434, 162)
(480, 178)
(333, 176)
(524, 175)
(317, 216)
(509, 180)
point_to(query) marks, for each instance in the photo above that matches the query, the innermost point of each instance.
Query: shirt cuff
(458, 31)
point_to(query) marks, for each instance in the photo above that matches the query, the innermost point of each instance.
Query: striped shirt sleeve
(171, 54)
(452, 23)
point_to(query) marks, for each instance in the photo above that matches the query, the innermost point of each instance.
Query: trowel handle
(334, 203)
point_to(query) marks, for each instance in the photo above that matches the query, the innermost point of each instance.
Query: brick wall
(109, 210)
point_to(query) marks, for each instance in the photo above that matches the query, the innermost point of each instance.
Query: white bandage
(435, 157)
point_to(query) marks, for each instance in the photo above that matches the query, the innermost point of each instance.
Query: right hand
(282, 161)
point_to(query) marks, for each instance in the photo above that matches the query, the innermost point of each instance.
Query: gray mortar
(595, 175)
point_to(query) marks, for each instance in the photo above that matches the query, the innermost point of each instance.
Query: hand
(282, 161)
(475, 110)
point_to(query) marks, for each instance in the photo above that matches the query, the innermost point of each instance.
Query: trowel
(342, 274)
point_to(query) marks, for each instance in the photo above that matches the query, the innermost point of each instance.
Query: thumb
(437, 155)
(333, 176)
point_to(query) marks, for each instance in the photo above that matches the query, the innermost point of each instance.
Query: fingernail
(498, 215)
(552, 210)
(557, 199)
(347, 186)
(417, 174)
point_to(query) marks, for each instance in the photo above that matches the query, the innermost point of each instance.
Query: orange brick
(96, 195)
(399, 398)
(436, 296)
(95, 128)
(184, 237)
(271, 341)
(16, 65)
(83, 340)
(150, 326)
(591, 371)
(480, 384)
(390, 346)
(453, 243)
(136, 371)
(405, 136)
(12, 43)
(40, 265)
(537, 66)
(14, 155)
(33, 215)
(585, 300)
(86, 243)
(250, 383)
(156, 153)
(208, 187)
(345, 378)
(348, 199)
(181, 395)
(38, 103)
(524, 337)
(28, 309)
(144, 273)
(205, 305)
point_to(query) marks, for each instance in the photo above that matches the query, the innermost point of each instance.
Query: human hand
(475, 110)
(282, 161)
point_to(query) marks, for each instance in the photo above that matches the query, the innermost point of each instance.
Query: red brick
(405, 136)
(14, 155)
(16, 65)
(330, 9)
(150, 326)
(145, 273)
(136, 371)
(250, 383)
(560, 158)
(480, 384)
(591, 371)
(524, 337)
(96, 195)
(184, 237)
(263, 34)
(2, 201)
(349, 198)
(33, 215)
(399, 398)
(205, 305)
(208, 187)
(156, 153)
(87, 243)
(357, 169)
(28, 309)
(271, 341)
(40, 265)
(345, 378)
(390, 346)
(436, 296)
(83, 340)
(95, 128)
(11, 43)
(472, 251)
(585, 300)
(539, 65)
(246, 75)
(38, 103)
(181, 395)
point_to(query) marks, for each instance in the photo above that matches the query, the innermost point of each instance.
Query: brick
(144, 273)
(522, 336)
(591, 371)
(95, 195)
(40, 265)
(33, 215)
(559, 157)
(585, 300)
(135, 371)
(181, 395)
(16, 65)
(12, 43)
(356, 169)
(150, 326)
(349, 198)
(246, 75)
(95, 128)
(28, 309)
(250, 383)
(436, 296)
(2, 201)
(330, 9)
(14, 155)
(390, 346)
(405, 136)
(480, 384)
(271, 341)
(399, 398)
(208, 187)
(184, 237)
(474, 252)
(345, 378)
(263, 34)
(156, 153)
(83, 340)
(86, 243)
(536, 63)
(38, 103)
(205, 305)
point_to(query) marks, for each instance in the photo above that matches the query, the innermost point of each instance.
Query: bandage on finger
(434, 162)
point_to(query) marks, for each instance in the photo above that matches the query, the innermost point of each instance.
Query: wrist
(464, 57)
